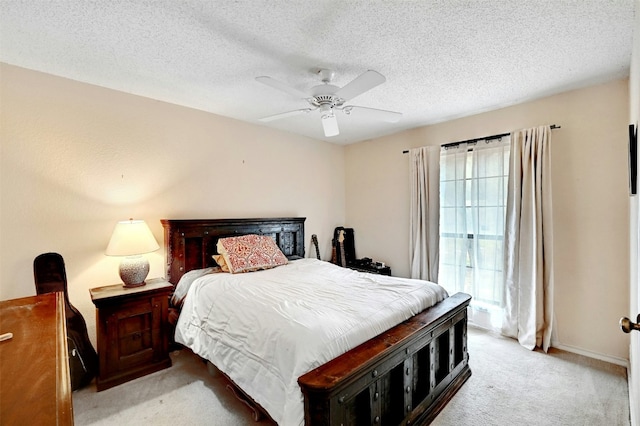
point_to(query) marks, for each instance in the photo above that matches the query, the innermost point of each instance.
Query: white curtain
(454, 243)
(529, 240)
(425, 206)
(473, 184)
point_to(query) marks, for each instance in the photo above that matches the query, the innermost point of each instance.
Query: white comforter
(265, 329)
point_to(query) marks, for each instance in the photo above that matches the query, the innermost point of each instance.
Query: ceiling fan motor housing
(327, 98)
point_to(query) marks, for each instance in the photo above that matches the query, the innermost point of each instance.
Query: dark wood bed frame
(404, 376)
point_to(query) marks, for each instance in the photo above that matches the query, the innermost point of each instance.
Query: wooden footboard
(404, 376)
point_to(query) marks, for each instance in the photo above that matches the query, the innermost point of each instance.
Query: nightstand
(132, 325)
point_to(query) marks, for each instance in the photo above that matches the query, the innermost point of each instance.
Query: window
(473, 196)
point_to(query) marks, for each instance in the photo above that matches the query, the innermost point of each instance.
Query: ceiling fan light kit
(329, 98)
(330, 125)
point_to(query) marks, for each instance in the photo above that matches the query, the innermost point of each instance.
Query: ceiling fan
(329, 98)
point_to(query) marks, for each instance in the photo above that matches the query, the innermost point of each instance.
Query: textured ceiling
(442, 58)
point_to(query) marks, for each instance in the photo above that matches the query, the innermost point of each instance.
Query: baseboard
(579, 351)
(590, 354)
(634, 410)
(634, 389)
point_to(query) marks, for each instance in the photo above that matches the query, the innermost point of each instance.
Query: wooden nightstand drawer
(132, 331)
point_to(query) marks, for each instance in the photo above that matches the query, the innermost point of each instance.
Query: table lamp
(131, 239)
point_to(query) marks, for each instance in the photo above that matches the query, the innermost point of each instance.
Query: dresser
(34, 372)
(132, 326)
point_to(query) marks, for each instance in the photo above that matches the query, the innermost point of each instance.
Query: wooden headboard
(190, 243)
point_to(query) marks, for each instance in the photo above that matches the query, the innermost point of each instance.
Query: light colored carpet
(509, 386)
(184, 394)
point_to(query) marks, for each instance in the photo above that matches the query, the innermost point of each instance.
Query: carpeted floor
(513, 386)
(509, 386)
(184, 394)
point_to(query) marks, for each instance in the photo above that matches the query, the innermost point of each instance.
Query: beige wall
(591, 203)
(77, 158)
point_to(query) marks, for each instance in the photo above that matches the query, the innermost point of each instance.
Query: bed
(399, 373)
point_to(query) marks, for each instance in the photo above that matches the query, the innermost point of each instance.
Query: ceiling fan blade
(281, 86)
(330, 125)
(365, 81)
(377, 114)
(285, 114)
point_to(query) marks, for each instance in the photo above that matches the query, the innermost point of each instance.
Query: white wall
(590, 196)
(77, 158)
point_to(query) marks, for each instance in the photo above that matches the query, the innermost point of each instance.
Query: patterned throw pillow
(250, 253)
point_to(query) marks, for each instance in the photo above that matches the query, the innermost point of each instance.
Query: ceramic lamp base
(134, 270)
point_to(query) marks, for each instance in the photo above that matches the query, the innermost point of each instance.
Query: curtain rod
(446, 145)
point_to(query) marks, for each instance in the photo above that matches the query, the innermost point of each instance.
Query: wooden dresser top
(35, 387)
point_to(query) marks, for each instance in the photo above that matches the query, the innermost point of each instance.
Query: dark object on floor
(345, 254)
(50, 276)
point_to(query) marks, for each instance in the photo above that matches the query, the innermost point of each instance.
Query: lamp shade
(131, 237)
